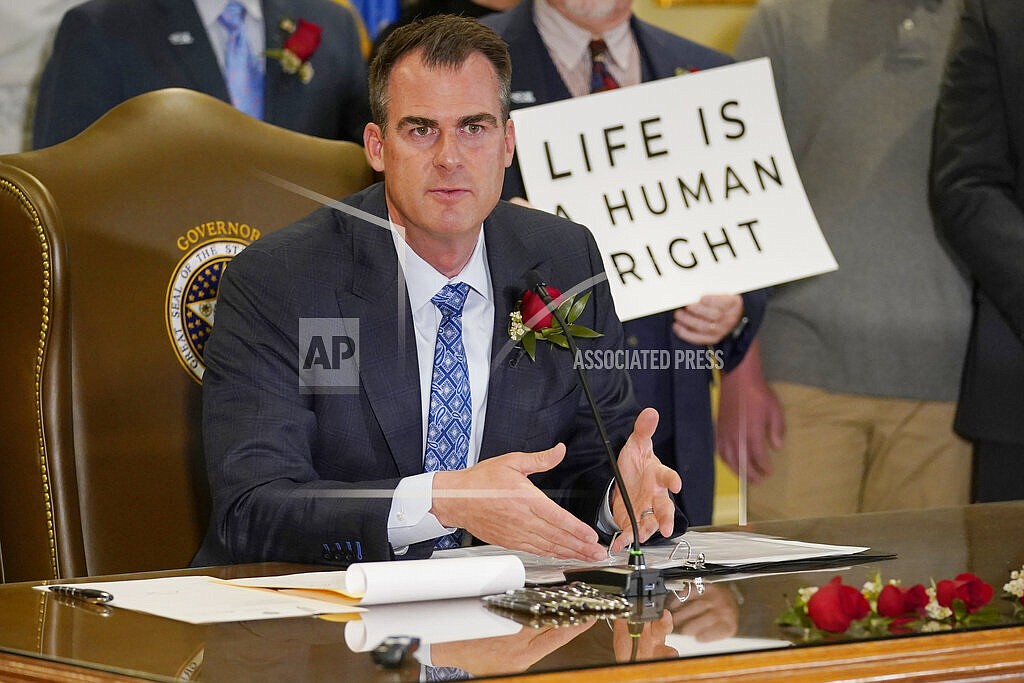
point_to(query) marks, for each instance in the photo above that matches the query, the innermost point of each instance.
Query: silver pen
(92, 595)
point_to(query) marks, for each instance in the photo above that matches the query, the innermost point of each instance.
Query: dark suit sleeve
(259, 431)
(976, 178)
(735, 348)
(79, 83)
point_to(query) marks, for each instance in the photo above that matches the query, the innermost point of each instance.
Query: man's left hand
(709, 320)
(648, 482)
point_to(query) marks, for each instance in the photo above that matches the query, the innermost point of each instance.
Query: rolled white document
(377, 583)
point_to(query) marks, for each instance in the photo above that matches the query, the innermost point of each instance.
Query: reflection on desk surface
(463, 634)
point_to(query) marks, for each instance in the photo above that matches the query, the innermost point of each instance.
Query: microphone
(636, 579)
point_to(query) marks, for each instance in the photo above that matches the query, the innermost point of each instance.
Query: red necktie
(600, 79)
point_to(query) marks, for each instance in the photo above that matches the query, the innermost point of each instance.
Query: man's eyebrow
(484, 117)
(416, 122)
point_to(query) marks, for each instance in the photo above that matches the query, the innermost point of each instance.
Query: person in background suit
(425, 442)
(978, 196)
(863, 361)
(428, 8)
(107, 51)
(548, 40)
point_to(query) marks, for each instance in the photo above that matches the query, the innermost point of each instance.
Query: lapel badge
(180, 38)
(523, 97)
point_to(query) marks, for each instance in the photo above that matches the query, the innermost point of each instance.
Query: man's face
(443, 153)
(595, 15)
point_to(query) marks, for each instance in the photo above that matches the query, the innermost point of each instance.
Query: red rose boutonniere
(532, 320)
(302, 42)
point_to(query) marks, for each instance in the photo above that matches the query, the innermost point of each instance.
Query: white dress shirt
(410, 520)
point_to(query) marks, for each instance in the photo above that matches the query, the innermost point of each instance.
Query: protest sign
(687, 183)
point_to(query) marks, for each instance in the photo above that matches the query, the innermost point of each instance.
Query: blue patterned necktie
(241, 68)
(451, 410)
(600, 78)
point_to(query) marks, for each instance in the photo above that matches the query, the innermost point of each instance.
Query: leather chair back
(112, 245)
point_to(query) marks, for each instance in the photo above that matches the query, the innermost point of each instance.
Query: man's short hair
(443, 41)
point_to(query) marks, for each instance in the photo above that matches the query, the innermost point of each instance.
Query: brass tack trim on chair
(44, 335)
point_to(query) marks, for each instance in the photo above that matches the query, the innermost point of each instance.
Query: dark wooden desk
(44, 639)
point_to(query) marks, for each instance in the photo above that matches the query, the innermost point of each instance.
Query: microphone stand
(635, 580)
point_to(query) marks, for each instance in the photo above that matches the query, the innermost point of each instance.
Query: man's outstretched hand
(495, 502)
(648, 482)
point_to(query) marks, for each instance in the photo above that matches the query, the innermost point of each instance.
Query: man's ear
(373, 146)
(510, 142)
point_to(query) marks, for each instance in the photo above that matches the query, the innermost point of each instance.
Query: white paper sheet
(375, 583)
(206, 600)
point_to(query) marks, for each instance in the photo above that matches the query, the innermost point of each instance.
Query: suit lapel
(387, 354)
(535, 72)
(656, 60)
(196, 58)
(509, 262)
(275, 80)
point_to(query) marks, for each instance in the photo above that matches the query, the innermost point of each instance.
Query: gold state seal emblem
(192, 300)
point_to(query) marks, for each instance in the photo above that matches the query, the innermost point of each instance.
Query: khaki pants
(846, 453)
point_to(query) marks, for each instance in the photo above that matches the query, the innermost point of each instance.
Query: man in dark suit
(341, 473)
(107, 51)
(978, 194)
(545, 37)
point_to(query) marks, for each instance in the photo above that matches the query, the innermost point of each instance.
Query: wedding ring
(648, 511)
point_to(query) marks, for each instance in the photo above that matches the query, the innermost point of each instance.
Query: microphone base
(625, 581)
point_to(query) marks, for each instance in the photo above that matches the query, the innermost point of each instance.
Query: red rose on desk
(894, 601)
(967, 587)
(834, 606)
(533, 306)
(886, 607)
(304, 40)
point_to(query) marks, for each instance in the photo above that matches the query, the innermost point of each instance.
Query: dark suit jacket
(978, 194)
(685, 438)
(296, 476)
(107, 51)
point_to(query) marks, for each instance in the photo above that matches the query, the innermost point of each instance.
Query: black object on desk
(91, 595)
(392, 651)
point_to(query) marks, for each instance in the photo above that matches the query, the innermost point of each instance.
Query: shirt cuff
(410, 520)
(422, 655)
